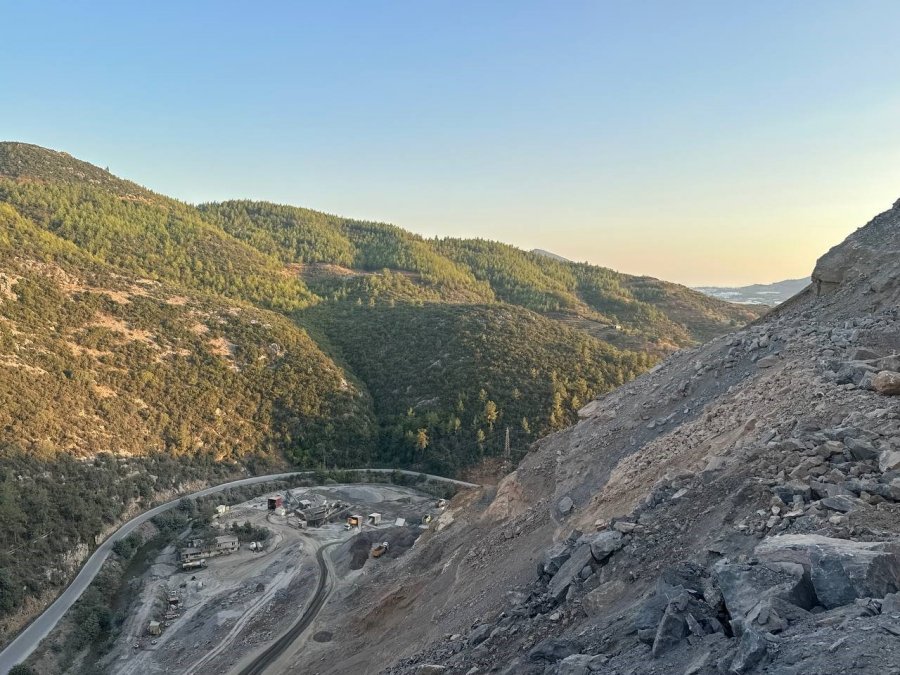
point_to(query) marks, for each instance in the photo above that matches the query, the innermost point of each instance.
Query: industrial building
(223, 545)
(316, 516)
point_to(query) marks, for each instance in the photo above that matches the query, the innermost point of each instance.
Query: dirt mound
(354, 553)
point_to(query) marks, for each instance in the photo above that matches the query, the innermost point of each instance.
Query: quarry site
(214, 606)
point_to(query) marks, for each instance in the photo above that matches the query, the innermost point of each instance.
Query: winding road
(27, 641)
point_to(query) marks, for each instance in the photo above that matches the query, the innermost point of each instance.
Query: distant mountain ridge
(757, 294)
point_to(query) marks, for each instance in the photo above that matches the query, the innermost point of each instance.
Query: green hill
(149, 343)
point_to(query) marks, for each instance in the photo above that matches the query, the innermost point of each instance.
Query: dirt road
(323, 589)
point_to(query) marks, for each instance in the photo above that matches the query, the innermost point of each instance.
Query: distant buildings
(223, 545)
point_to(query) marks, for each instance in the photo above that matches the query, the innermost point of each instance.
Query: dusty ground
(235, 607)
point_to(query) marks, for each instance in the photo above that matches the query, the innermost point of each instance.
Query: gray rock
(699, 664)
(552, 650)
(860, 450)
(561, 581)
(890, 604)
(840, 570)
(745, 586)
(671, 630)
(751, 650)
(767, 362)
(889, 460)
(786, 491)
(843, 503)
(480, 634)
(581, 664)
(648, 616)
(830, 448)
(565, 505)
(555, 557)
(605, 544)
(430, 669)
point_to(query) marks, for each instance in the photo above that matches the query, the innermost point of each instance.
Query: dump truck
(379, 550)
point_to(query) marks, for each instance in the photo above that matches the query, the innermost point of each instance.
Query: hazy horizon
(702, 144)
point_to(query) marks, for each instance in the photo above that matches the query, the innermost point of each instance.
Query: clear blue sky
(703, 142)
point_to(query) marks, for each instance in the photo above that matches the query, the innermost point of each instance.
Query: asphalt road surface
(28, 640)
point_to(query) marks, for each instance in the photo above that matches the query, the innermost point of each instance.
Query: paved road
(28, 640)
(271, 654)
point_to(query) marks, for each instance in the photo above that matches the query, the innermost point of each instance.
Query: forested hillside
(331, 254)
(148, 343)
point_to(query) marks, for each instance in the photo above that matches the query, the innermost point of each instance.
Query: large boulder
(887, 383)
(570, 569)
(745, 586)
(751, 650)
(552, 650)
(566, 505)
(861, 450)
(605, 544)
(555, 557)
(672, 628)
(840, 570)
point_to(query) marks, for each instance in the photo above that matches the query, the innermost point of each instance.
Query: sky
(701, 142)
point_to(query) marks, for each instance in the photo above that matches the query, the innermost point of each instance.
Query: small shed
(275, 503)
(154, 628)
(374, 519)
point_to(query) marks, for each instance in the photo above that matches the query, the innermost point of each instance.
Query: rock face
(869, 254)
(840, 570)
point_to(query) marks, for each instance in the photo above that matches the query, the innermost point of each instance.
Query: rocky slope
(734, 510)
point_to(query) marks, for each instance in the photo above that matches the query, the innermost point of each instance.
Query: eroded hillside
(734, 510)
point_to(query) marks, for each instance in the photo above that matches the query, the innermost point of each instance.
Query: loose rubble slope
(735, 510)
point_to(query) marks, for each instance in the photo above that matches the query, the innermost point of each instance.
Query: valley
(161, 347)
(450, 339)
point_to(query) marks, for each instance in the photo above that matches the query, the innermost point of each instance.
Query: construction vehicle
(379, 550)
(193, 564)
